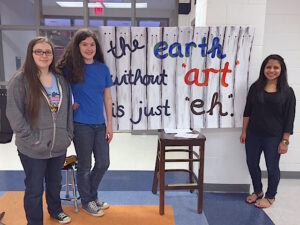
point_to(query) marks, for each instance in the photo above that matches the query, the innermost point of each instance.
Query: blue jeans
(255, 145)
(90, 139)
(35, 172)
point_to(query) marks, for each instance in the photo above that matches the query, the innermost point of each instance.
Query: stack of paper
(183, 133)
(177, 131)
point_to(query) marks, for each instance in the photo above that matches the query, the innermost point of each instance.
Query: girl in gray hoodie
(39, 109)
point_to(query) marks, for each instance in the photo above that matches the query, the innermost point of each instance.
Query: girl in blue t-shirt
(83, 65)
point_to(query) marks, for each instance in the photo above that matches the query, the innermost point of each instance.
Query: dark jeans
(90, 139)
(254, 147)
(35, 172)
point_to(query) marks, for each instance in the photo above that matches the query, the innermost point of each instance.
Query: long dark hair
(31, 73)
(71, 63)
(282, 83)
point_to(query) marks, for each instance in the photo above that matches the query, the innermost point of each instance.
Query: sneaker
(92, 209)
(102, 205)
(63, 218)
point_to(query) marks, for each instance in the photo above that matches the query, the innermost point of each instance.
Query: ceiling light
(70, 4)
(112, 5)
(95, 5)
(115, 5)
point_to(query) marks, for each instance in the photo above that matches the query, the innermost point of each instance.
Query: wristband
(285, 141)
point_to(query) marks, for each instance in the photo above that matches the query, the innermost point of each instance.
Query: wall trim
(284, 174)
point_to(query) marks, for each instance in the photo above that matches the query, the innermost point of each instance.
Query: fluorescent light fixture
(79, 4)
(115, 5)
(95, 5)
(112, 5)
(70, 4)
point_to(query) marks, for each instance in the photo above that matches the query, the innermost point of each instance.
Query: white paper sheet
(177, 131)
(185, 135)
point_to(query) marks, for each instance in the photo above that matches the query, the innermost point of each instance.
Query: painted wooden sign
(177, 77)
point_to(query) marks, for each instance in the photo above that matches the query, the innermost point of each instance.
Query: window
(17, 12)
(14, 45)
(59, 23)
(60, 14)
(153, 23)
(60, 39)
(119, 23)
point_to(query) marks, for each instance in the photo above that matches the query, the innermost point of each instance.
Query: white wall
(282, 36)
(14, 45)
(201, 12)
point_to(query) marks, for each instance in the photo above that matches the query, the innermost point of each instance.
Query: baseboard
(284, 174)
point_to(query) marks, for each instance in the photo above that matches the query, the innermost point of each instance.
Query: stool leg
(200, 178)
(67, 184)
(162, 180)
(156, 171)
(74, 192)
(191, 166)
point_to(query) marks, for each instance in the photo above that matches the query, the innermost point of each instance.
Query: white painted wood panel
(154, 35)
(170, 35)
(124, 90)
(213, 62)
(198, 62)
(138, 63)
(242, 73)
(185, 35)
(107, 35)
(178, 77)
(227, 82)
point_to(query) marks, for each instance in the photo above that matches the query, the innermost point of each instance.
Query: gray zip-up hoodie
(52, 135)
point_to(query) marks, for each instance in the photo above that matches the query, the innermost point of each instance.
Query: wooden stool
(195, 182)
(70, 165)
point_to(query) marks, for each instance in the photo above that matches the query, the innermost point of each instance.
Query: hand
(282, 148)
(243, 138)
(109, 134)
(37, 142)
(75, 105)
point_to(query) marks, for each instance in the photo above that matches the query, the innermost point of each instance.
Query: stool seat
(70, 161)
(164, 145)
(70, 165)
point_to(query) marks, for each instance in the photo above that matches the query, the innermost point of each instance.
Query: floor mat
(12, 204)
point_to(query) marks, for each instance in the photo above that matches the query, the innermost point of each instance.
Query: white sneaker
(92, 209)
(63, 218)
(102, 205)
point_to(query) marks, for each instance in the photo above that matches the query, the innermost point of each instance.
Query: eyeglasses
(40, 52)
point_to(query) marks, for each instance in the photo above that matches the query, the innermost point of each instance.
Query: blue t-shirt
(90, 94)
(53, 96)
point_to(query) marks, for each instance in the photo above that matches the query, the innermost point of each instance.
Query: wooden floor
(12, 204)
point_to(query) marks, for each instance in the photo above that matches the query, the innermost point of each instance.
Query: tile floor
(286, 209)
(219, 208)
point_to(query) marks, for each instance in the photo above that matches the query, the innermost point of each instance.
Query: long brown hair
(282, 82)
(31, 73)
(71, 64)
